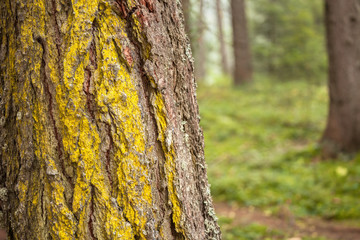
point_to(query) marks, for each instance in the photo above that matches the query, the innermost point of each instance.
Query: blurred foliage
(260, 145)
(253, 232)
(249, 232)
(288, 38)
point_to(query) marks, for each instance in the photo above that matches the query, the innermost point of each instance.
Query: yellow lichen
(170, 156)
(81, 139)
(117, 94)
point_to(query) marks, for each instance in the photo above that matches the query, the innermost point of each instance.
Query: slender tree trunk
(271, 35)
(243, 61)
(224, 58)
(186, 7)
(200, 45)
(99, 124)
(342, 133)
(196, 36)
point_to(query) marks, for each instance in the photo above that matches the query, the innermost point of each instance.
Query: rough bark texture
(99, 124)
(342, 21)
(224, 58)
(242, 55)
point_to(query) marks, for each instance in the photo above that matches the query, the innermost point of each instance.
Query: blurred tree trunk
(271, 34)
(196, 38)
(342, 133)
(99, 126)
(200, 45)
(242, 55)
(224, 58)
(186, 7)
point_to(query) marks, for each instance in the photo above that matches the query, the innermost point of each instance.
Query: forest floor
(255, 224)
(264, 163)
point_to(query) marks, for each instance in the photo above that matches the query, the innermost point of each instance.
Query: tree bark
(242, 55)
(99, 124)
(342, 133)
(224, 58)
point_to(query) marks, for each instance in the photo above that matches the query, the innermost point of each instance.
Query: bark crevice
(91, 214)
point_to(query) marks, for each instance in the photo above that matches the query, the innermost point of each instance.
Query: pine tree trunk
(342, 133)
(242, 55)
(99, 124)
(186, 10)
(224, 59)
(200, 45)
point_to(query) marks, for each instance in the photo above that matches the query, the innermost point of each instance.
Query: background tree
(186, 7)
(288, 39)
(99, 127)
(342, 133)
(196, 34)
(242, 56)
(200, 44)
(221, 37)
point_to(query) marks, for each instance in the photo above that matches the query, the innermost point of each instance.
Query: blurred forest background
(262, 74)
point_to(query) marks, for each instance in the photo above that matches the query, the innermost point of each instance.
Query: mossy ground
(261, 150)
(254, 231)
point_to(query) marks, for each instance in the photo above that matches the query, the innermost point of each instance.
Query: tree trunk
(224, 59)
(186, 10)
(196, 38)
(200, 45)
(242, 55)
(342, 133)
(271, 35)
(99, 124)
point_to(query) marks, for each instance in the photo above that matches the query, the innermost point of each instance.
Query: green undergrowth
(261, 150)
(247, 232)
(254, 232)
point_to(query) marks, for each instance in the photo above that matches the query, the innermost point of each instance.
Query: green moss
(260, 145)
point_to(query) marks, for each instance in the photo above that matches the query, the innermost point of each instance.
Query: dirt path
(297, 228)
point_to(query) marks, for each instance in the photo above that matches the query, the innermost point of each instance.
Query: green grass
(249, 232)
(260, 146)
(253, 232)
